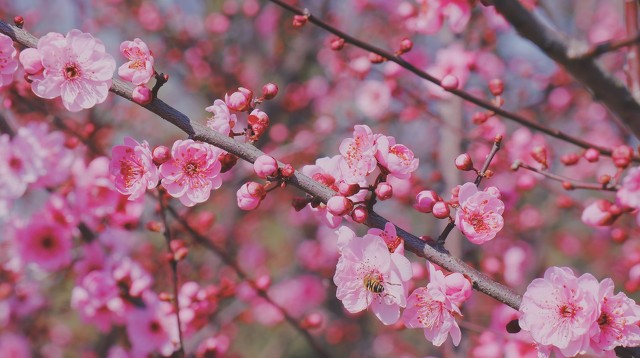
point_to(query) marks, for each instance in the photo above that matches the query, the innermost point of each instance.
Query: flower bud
(539, 154)
(463, 162)
(299, 21)
(375, 58)
(142, 95)
(338, 205)
(591, 155)
(18, 21)
(570, 159)
(337, 44)
(384, 191)
(154, 226)
(425, 201)
(496, 86)
(265, 166)
(161, 154)
(239, 100)
(287, 171)
(269, 90)
(441, 210)
(622, 156)
(31, 61)
(405, 46)
(346, 189)
(479, 118)
(359, 214)
(450, 82)
(619, 235)
(599, 214)
(250, 195)
(313, 320)
(263, 282)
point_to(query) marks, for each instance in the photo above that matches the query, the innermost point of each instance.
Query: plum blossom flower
(629, 193)
(600, 213)
(480, 214)
(192, 172)
(8, 63)
(455, 61)
(559, 311)
(44, 243)
(431, 309)
(19, 166)
(250, 195)
(358, 154)
(396, 158)
(390, 237)
(617, 324)
(139, 69)
(432, 13)
(222, 120)
(76, 68)
(152, 328)
(98, 301)
(367, 275)
(133, 168)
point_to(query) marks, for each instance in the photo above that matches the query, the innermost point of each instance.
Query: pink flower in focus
(76, 68)
(431, 309)
(559, 311)
(629, 194)
(222, 120)
(390, 237)
(396, 158)
(98, 301)
(44, 243)
(139, 69)
(133, 168)
(8, 63)
(192, 172)
(617, 324)
(358, 154)
(250, 195)
(479, 216)
(367, 275)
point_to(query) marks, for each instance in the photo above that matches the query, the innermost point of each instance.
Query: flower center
(154, 326)
(604, 319)
(71, 71)
(15, 163)
(191, 169)
(48, 242)
(477, 221)
(568, 311)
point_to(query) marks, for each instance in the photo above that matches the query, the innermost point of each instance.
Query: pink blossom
(196, 304)
(458, 288)
(239, 100)
(14, 346)
(8, 63)
(265, 166)
(98, 301)
(600, 213)
(48, 148)
(31, 61)
(131, 278)
(396, 158)
(76, 68)
(479, 216)
(213, 347)
(373, 99)
(431, 14)
(94, 197)
(192, 172)
(152, 328)
(44, 243)
(431, 309)
(453, 60)
(390, 237)
(250, 195)
(559, 311)
(222, 120)
(629, 193)
(367, 275)
(139, 69)
(617, 324)
(133, 168)
(19, 165)
(358, 154)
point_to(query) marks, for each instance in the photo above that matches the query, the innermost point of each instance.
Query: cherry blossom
(76, 68)
(192, 172)
(133, 168)
(152, 328)
(222, 120)
(367, 275)
(139, 69)
(629, 193)
(8, 63)
(358, 154)
(397, 159)
(250, 195)
(390, 237)
(46, 244)
(480, 214)
(431, 14)
(98, 301)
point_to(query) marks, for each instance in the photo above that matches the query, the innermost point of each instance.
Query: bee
(373, 283)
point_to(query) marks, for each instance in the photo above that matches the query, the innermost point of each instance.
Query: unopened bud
(479, 118)
(359, 214)
(375, 58)
(496, 86)
(19, 21)
(425, 200)
(154, 226)
(463, 162)
(570, 159)
(161, 154)
(487, 174)
(269, 91)
(337, 44)
(567, 185)
(539, 154)
(338, 205)
(591, 155)
(287, 171)
(619, 235)
(441, 210)
(346, 189)
(384, 191)
(299, 21)
(405, 46)
(622, 156)
(604, 179)
(314, 320)
(450, 82)
(228, 161)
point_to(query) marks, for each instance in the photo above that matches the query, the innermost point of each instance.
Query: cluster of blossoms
(188, 172)
(568, 315)
(478, 214)
(373, 272)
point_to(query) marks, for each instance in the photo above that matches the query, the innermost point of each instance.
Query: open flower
(358, 154)
(45, 243)
(8, 63)
(480, 214)
(629, 194)
(396, 158)
(222, 120)
(367, 275)
(133, 168)
(139, 69)
(192, 172)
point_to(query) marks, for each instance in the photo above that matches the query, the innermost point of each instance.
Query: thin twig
(607, 46)
(571, 183)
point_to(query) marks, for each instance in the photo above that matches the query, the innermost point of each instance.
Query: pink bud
(258, 117)
(239, 100)
(314, 320)
(142, 95)
(228, 161)
(263, 282)
(269, 91)
(598, 214)
(299, 21)
(591, 155)
(19, 21)
(337, 44)
(265, 166)
(622, 156)
(496, 86)
(458, 288)
(287, 171)
(449, 82)
(425, 201)
(339, 205)
(539, 154)
(570, 159)
(384, 191)
(346, 189)
(479, 117)
(375, 58)
(250, 195)
(31, 61)
(463, 162)
(441, 210)
(405, 46)
(161, 154)
(359, 214)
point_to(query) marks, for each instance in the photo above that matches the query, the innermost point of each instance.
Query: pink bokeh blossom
(629, 193)
(480, 214)
(192, 172)
(133, 168)
(98, 301)
(46, 244)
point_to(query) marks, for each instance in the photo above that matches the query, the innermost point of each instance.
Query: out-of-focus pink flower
(600, 213)
(152, 329)
(196, 304)
(139, 69)
(629, 193)
(396, 158)
(390, 237)
(133, 168)
(453, 60)
(14, 346)
(373, 99)
(48, 148)
(480, 214)
(131, 278)
(98, 301)
(250, 195)
(76, 68)
(432, 310)
(617, 324)
(192, 172)
(358, 154)
(8, 63)
(367, 275)
(222, 120)
(213, 347)
(44, 243)
(19, 166)
(239, 100)
(559, 311)
(431, 14)
(265, 166)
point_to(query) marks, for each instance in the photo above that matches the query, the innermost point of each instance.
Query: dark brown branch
(603, 85)
(607, 46)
